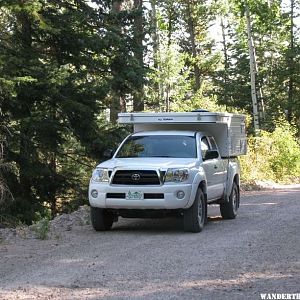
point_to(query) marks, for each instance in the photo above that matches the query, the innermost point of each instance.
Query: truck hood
(140, 163)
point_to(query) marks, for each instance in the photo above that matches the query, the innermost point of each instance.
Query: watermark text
(272, 296)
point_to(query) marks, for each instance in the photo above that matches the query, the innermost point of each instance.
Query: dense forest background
(67, 67)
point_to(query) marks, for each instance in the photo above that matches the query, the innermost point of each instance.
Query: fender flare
(199, 181)
(232, 176)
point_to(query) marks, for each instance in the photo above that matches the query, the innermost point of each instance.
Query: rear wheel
(229, 209)
(194, 217)
(102, 220)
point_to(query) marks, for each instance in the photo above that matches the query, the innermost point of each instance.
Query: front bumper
(169, 191)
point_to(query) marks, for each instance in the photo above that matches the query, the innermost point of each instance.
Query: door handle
(215, 166)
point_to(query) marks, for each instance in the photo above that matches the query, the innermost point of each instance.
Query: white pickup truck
(173, 164)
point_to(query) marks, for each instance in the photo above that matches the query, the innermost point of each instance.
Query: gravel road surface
(259, 252)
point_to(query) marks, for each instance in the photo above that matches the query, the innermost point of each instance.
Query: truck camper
(172, 164)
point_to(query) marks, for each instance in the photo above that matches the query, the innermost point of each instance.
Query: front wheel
(229, 209)
(194, 217)
(102, 220)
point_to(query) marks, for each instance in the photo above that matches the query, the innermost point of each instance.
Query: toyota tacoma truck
(174, 164)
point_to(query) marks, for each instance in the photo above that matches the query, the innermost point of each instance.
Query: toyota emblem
(136, 177)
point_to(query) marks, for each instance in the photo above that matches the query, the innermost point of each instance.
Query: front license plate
(134, 195)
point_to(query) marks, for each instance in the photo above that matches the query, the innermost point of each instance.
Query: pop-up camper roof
(228, 129)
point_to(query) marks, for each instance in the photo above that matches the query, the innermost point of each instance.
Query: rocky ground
(51, 230)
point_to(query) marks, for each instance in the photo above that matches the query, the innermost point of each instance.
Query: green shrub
(273, 156)
(41, 228)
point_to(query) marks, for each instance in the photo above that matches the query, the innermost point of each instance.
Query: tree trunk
(156, 52)
(116, 6)
(191, 29)
(25, 149)
(226, 60)
(138, 95)
(116, 99)
(291, 65)
(167, 88)
(24, 163)
(252, 72)
(52, 185)
(155, 36)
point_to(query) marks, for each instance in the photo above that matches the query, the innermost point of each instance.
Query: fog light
(180, 194)
(94, 193)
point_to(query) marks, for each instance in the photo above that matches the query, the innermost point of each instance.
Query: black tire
(194, 217)
(229, 209)
(102, 220)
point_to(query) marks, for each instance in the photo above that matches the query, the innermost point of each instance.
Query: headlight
(100, 175)
(176, 175)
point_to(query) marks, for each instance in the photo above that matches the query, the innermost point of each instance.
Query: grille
(145, 177)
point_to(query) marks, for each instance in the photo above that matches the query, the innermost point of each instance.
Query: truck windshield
(178, 146)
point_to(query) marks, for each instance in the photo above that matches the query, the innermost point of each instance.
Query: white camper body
(228, 130)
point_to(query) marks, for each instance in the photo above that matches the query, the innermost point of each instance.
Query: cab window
(204, 146)
(213, 143)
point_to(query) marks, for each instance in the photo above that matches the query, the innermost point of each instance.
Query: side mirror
(108, 153)
(211, 154)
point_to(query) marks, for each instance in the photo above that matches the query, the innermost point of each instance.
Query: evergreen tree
(56, 68)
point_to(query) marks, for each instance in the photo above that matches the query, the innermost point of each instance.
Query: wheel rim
(200, 210)
(234, 200)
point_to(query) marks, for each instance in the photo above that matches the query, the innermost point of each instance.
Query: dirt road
(259, 252)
